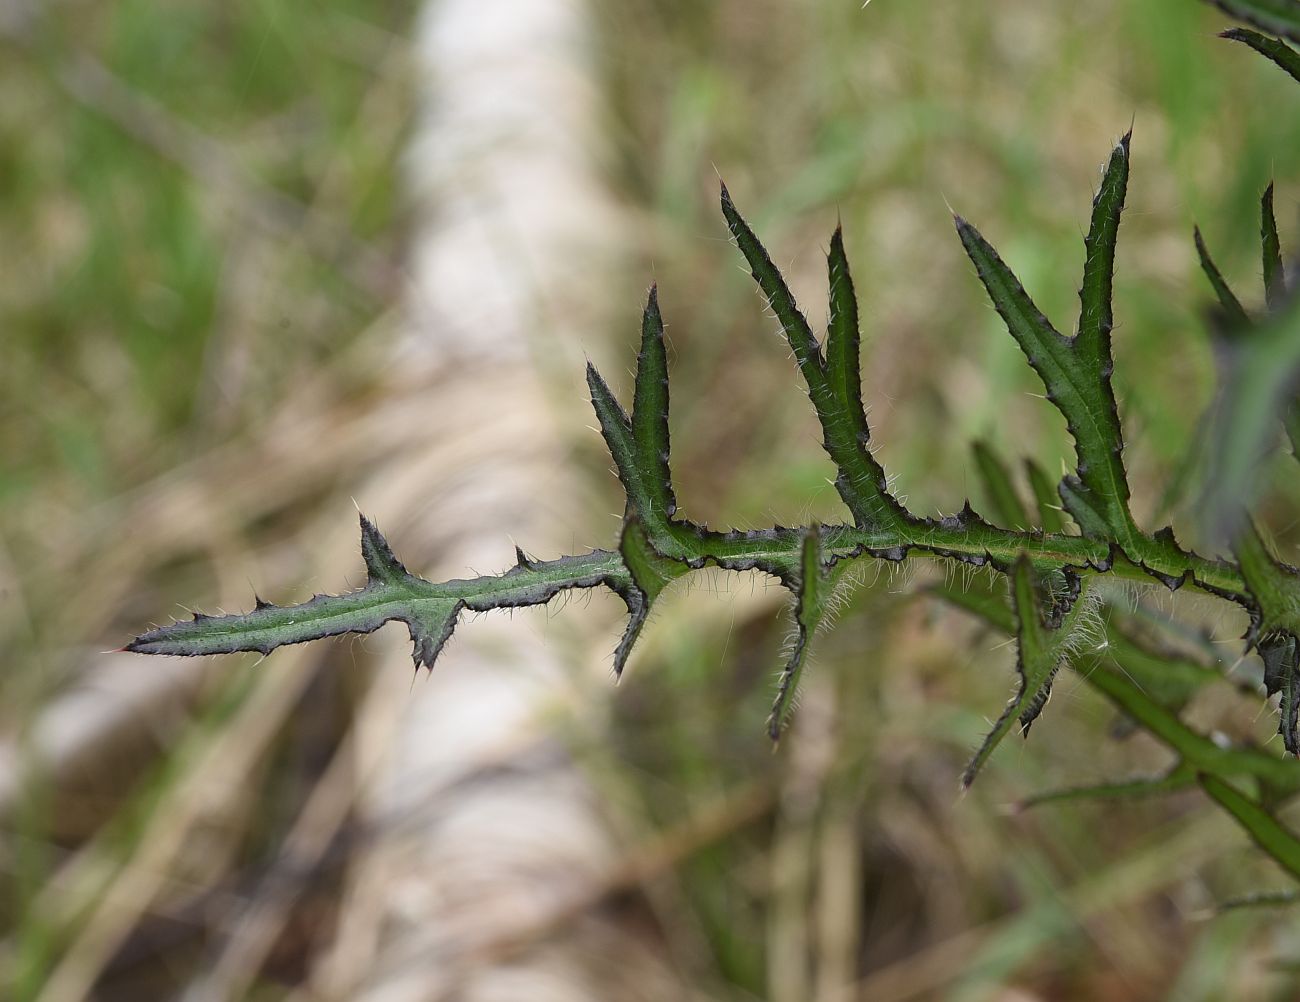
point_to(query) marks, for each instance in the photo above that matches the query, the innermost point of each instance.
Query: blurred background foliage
(203, 218)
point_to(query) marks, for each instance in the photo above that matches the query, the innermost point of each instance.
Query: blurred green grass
(157, 303)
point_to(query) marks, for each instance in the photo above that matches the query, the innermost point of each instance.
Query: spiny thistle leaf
(1040, 652)
(1076, 372)
(1001, 492)
(1271, 251)
(844, 340)
(650, 573)
(1271, 48)
(1234, 314)
(656, 546)
(1275, 624)
(1278, 842)
(391, 594)
(650, 410)
(812, 593)
(616, 429)
(861, 480)
(381, 564)
(1281, 17)
(1123, 672)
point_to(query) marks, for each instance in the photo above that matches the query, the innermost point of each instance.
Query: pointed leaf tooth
(861, 480)
(843, 339)
(650, 409)
(1235, 316)
(1274, 273)
(1040, 653)
(1095, 294)
(1082, 505)
(430, 630)
(998, 488)
(381, 564)
(1075, 385)
(1031, 329)
(1271, 48)
(616, 429)
(650, 572)
(810, 605)
(1050, 518)
(803, 343)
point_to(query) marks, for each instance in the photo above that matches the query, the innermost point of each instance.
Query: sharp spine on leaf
(656, 546)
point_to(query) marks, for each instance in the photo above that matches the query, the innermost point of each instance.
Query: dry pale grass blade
(1159, 864)
(213, 780)
(462, 905)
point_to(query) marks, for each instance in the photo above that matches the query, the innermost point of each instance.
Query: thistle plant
(1054, 554)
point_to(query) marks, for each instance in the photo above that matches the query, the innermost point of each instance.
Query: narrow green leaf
(998, 488)
(1095, 313)
(803, 343)
(650, 411)
(1040, 652)
(650, 573)
(861, 480)
(1234, 314)
(616, 429)
(1045, 496)
(843, 339)
(811, 592)
(1281, 17)
(1278, 843)
(1274, 273)
(1076, 376)
(1271, 48)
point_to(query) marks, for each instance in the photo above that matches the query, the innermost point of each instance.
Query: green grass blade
(1278, 842)
(1271, 251)
(1050, 517)
(1180, 777)
(1234, 314)
(650, 411)
(843, 339)
(998, 488)
(1096, 317)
